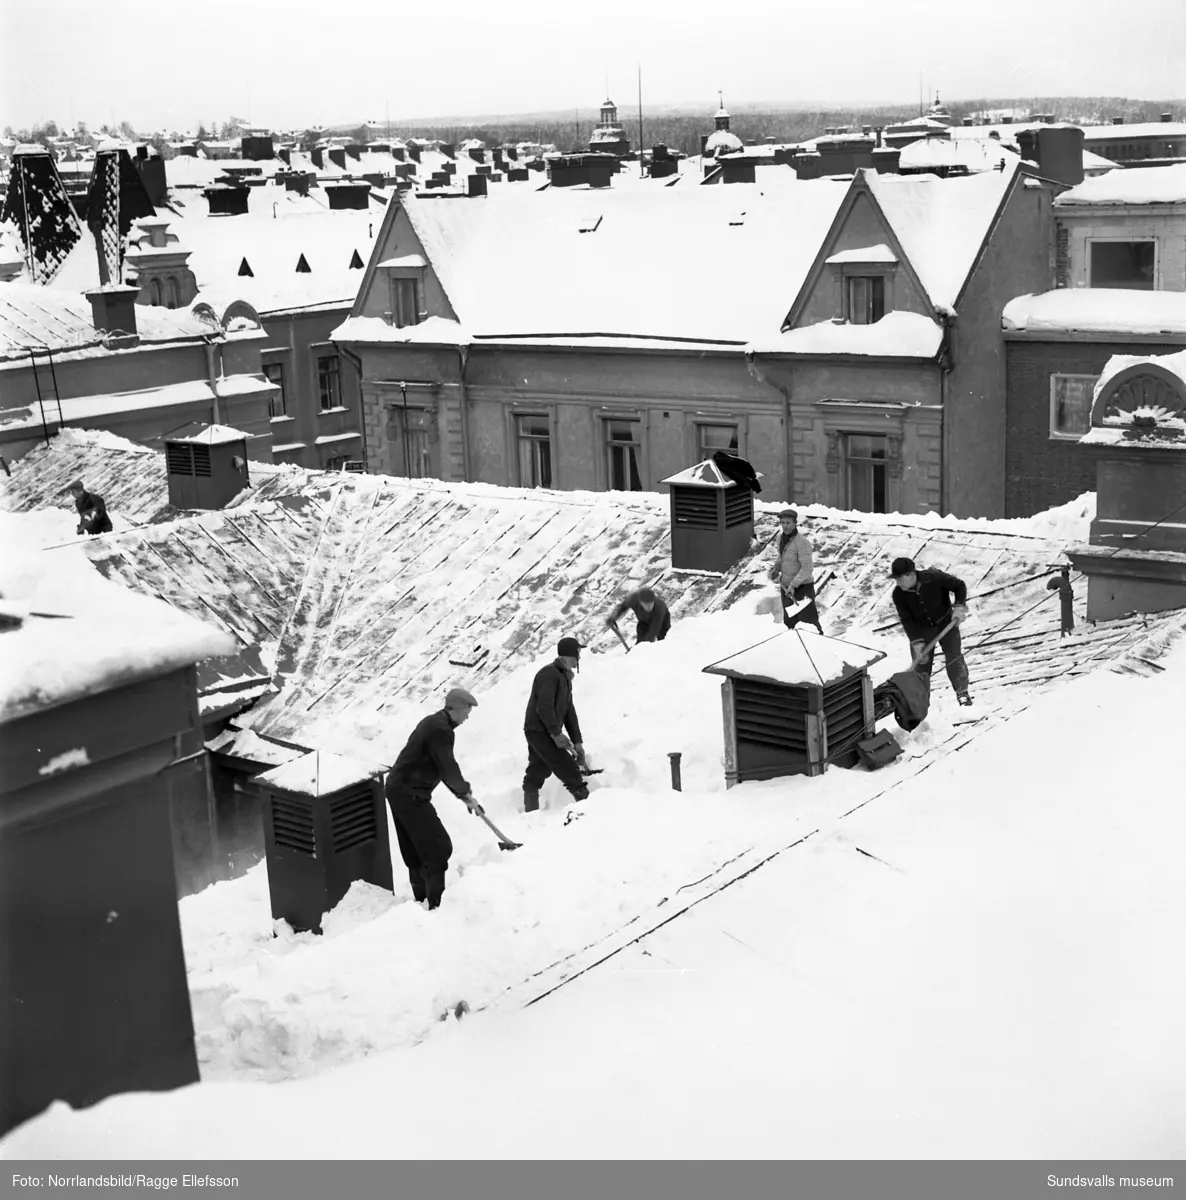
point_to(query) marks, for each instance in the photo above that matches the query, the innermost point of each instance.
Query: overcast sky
(169, 64)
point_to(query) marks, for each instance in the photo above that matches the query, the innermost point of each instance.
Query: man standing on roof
(654, 619)
(793, 572)
(553, 733)
(1062, 584)
(92, 512)
(424, 762)
(924, 600)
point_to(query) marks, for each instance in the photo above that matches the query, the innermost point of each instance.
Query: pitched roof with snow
(941, 224)
(639, 263)
(1140, 129)
(1098, 310)
(1148, 185)
(975, 154)
(35, 316)
(898, 334)
(797, 658)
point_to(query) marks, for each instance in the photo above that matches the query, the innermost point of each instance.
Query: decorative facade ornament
(832, 461)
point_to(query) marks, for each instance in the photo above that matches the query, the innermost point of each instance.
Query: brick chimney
(338, 157)
(1167, 117)
(477, 185)
(113, 308)
(1060, 153)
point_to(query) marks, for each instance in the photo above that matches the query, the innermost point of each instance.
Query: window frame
(702, 423)
(322, 357)
(850, 460)
(282, 415)
(519, 415)
(868, 277)
(1127, 240)
(606, 418)
(1053, 433)
(399, 284)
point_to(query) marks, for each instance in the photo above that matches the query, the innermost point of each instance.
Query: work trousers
(545, 758)
(424, 843)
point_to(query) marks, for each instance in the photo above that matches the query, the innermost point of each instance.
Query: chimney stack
(1060, 153)
(1167, 117)
(113, 308)
(1117, 120)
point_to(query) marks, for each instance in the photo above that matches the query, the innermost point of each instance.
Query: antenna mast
(641, 161)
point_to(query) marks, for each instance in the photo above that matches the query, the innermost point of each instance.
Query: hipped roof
(797, 658)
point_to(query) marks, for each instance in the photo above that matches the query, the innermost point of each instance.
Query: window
(1123, 264)
(329, 383)
(623, 447)
(405, 305)
(866, 459)
(171, 296)
(337, 462)
(277, 405)
(715, 437)
(1070, 404)
(154, 291)
(414, 428)
(866, 299)
(534, 436)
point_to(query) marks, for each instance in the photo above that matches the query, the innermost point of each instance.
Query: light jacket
(795, 562)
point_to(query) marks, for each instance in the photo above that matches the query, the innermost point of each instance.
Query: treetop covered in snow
(798, 658)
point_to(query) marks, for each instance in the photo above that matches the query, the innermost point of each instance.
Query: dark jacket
(926, 609)
(427, 760)
(736, 469)
(549, 709)
(92, 513)
(653, 626)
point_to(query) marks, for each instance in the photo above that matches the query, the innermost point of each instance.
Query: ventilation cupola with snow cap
(795, 703)
(206, 465)
(712, 518)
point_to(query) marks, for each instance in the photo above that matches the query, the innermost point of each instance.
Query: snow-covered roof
(214, 435)
(704, 474)
(318, 773)
(33, 315)
(974, 154)
(1141, 129)
(1098, 310)
(102, 636)
(433, 331)
(78, 409)
(1147, 185)
(865, 254)
(896, 335)
(941, 223)
(654, 265)
(405, 260)
(722, 141)
(797, 658)
(272, 248)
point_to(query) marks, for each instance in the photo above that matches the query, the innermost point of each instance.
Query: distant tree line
(682, 130)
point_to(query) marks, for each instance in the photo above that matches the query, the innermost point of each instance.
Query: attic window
(303, 267)
(245, 269)
(355, 261)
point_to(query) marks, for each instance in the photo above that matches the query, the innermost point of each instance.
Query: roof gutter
(209, 342)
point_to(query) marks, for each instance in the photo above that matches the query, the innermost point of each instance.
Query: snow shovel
(504, 842)
(614, 626)
(921, 655)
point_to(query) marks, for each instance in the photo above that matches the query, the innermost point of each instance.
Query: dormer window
(405, 277)
(864, 283)
(865, 299)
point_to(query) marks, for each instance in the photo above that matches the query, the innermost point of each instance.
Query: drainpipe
(463, 353)
(211, 377)
(945, 366)
(362, 416)
(751, 365)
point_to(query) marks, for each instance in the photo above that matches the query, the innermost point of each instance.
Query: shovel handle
(935, 641)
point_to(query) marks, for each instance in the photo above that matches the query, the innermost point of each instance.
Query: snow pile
(96, 635)
(37, 529)
(1068, 522)
(1150, 185)
(926, 970)
(1097, 310)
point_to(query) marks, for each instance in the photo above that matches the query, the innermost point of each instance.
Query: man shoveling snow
(924, 600)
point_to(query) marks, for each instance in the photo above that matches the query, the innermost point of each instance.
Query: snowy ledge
(896, 335)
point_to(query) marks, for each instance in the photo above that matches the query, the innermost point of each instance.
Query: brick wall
(1040, 472)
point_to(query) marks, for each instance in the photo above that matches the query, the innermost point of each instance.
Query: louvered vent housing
(292, 825)
(352, 820)
(844, 707)
(770, 716)
(739, 506)
(695, 508)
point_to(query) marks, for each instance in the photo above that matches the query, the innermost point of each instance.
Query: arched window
(171, 292)
(154, 291)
